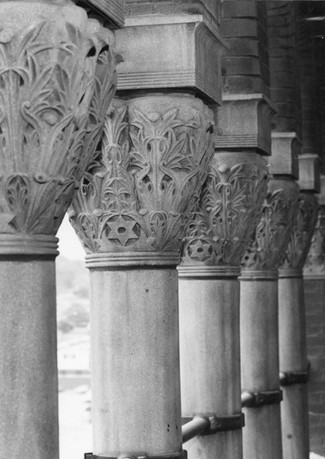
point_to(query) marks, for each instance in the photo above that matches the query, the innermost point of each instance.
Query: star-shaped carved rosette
(121, 230)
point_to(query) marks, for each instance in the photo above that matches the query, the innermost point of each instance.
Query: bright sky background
(69, 245)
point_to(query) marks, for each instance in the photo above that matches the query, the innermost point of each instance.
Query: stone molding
(176, 52)
(315, 261)
(52, 86)
(244, 121)
(137, 196)
(309, 176)
(272, 233)
(301, 236)
(285, 151)
(229, 209)
(113, 10)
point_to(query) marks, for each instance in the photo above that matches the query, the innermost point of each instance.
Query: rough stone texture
(135, 362)
(245, 64)
(28, 360)
(170, 52)
(315, 318)
(284, 66)
(210, 364)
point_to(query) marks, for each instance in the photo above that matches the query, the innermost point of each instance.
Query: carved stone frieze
(315, 262)
(301, 234)
(56, 80)
(137, 196)
(272, 233)
(229, 209)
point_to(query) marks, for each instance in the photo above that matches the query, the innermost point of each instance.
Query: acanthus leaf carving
(229, 208)
(315, 261)
(302, 232)
(53, 96)
(140, 190)
(271, 237)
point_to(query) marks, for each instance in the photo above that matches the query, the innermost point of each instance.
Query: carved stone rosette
(137, 196)
(315, 261)
(301, 236)
(265, 254)
(229, 209)
(56, 79)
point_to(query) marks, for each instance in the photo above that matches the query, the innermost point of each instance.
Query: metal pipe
(246, 398)
(195, 427)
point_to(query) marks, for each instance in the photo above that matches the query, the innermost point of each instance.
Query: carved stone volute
(52, 91)
(230, 206)
(265, 253)
(137, 196)
(301, 236)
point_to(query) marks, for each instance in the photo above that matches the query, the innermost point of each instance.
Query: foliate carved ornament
(315, 262)
(301, 235)
(52, 90)
(137, 196)
(266, 251)
(229, 209)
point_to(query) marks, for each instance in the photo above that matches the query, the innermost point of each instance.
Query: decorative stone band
(296, 273)
(132, 259)
(181, 455)
(258, 274)
(208, 272)
(138, 195)
(28, 245)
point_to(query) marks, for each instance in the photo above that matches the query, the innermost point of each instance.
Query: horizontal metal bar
(211, 424)
(258, 399)
(288, 378)
(181, 455)
(195, 427)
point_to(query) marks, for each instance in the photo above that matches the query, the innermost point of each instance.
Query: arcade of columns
(195, 193)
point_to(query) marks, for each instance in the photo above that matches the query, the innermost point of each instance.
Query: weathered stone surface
(285, 151)
(137, 196)
(244, 121)
(114, 10)
(229, 209)
(309, 174)
(170, 52)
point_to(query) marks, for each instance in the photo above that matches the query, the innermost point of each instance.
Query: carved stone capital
(51, 107)
(272, 233)
(301, 235)
(137, 196)
(230, 207)
(315, 261)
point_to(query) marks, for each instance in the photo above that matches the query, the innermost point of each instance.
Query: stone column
(314, 289)
(131, 214)
(292, 332)
(230, 207)
(48, 57)
(259, 322)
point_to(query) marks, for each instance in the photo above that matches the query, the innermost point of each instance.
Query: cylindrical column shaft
(28, 359)
(209, 331)
(135, 361)
(260, 366)
(293, 358)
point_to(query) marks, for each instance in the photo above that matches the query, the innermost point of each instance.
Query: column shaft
(260, 366)
(209, 331)
(135, 361)
(28, 359)
(292, 333)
